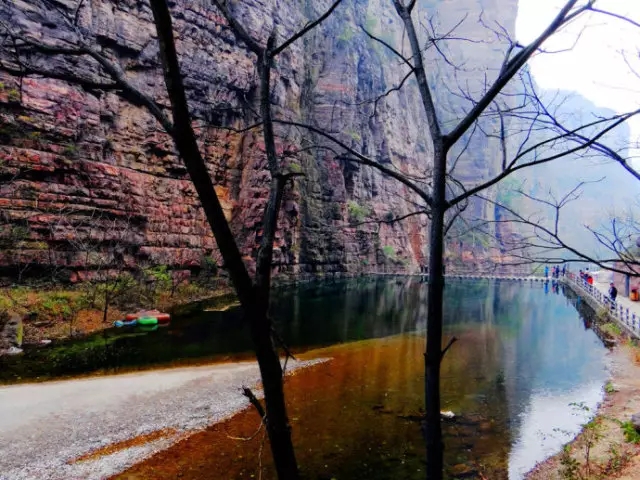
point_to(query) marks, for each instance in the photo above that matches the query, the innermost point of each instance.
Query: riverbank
(602, 450)
(93, 428)
(60, 313)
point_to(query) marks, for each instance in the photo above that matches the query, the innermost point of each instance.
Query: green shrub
(159, 276)
(13, 95)
(570, 467)
(70, 151)
(355, 135)
(618, 459)
(389, 252)
(58, 306)
(19, 232)
(40, 245)
(631, 435)
(357, 212)
(612, 329)
(208, 271)
(347, 34)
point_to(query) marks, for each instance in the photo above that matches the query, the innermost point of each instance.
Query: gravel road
(45, 426)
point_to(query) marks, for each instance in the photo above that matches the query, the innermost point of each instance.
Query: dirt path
(45, 428)
(610, 456)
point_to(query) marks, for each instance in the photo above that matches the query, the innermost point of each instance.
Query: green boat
(147, 321)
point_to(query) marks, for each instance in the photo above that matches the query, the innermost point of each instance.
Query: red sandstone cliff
(73, 163)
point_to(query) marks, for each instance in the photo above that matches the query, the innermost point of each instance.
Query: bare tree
(444, 197)
(543, 242)
(25, 55)
(545, 221)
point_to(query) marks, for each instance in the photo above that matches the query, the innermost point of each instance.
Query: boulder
(635, 421)
(11, 330)
(11, 351)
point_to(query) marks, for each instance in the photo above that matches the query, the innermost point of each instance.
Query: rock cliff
(90, 181)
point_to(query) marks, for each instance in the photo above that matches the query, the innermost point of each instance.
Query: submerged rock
(463, 470)
(11, 351)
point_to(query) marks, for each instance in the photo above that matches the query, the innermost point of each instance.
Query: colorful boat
(125, 323)
(162, 317)
(147, 321)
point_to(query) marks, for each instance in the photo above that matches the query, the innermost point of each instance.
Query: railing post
(627, 281)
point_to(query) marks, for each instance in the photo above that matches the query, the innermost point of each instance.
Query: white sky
(595, 66)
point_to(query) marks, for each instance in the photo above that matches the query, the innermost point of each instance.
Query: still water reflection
(524, 355)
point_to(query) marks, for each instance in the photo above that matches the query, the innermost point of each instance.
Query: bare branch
(388, 46)
(306, 29)
(238, 29)
(354, 156)
(511, 168)
(111, 69)
(246, 391)
(614, 15)
(451, 342)
(510, 70)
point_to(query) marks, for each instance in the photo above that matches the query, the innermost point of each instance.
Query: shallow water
(524, 355)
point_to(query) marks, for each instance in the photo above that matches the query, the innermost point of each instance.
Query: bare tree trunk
(254, 298)
(187, 146)
(271, 372)
(105, 310)
(433, 356)
(278, 426)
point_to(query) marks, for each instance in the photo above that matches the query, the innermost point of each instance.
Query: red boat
(157, 314)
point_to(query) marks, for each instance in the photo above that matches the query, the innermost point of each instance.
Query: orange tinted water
(354, 417)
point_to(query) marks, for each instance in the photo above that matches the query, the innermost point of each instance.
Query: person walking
(613, 292)
(546, 271)
(564, 270)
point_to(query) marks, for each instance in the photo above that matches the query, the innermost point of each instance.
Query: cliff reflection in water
(523, 355)
(522, 358)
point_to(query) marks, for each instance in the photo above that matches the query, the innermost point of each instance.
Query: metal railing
(617, 311)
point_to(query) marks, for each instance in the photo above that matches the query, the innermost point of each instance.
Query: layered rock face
(90, 181)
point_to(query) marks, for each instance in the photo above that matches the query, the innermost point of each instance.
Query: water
(524, 355)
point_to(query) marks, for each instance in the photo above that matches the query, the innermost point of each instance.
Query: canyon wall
(90, 181)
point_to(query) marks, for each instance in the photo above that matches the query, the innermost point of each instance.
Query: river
(524, 374)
